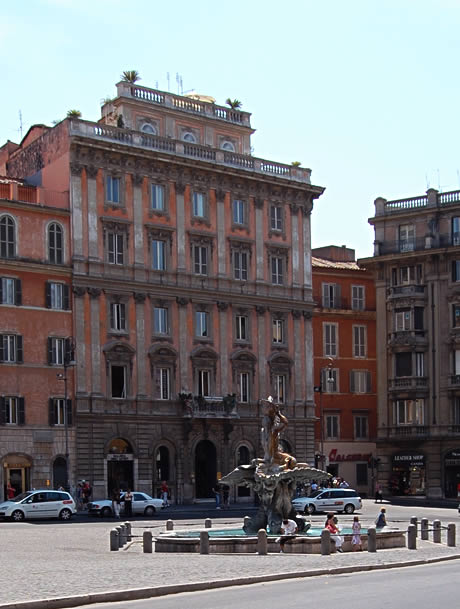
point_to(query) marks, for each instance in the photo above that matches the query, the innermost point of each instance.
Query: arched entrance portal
(120, 460)
(205, 469)
(59, 473)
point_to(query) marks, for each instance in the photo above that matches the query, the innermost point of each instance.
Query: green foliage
(296, 163)
(131, 76)
(234, 104)
(74, 114)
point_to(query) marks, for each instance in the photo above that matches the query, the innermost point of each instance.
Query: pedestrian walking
(10, 491)
(218, 496)
(288, 532)
(128, 501)
(225, 497)
(165, 493)
(332, 527)
(378, 493)
(356, 542)
(116, 501)
(381, 520)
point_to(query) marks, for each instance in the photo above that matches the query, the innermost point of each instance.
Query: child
(381, 520)
(356, 539)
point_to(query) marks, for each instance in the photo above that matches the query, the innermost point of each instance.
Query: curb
(142, 593)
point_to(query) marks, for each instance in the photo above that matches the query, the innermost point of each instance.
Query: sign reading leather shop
(409, 459)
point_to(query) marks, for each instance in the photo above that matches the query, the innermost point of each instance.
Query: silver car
(329, 500)
(39, 504)
(141, 504)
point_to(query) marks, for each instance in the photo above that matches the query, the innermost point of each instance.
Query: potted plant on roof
(130, 76)
(234, 104)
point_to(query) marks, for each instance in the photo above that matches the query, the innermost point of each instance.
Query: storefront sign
(335, 457)
(120, 457)
(452, 458)
(409, 459)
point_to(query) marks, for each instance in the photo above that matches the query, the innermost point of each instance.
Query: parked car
(39, 504)
(329, 500)
(141, 504)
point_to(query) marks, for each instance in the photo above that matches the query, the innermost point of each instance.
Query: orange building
(344, 334)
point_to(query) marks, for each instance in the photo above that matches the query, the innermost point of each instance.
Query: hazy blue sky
(364, 93)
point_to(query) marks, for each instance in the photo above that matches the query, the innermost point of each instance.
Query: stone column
(260, 258)
(298, 368)
(296, 281)
(221, 241)
(139, 298)
(93, 250)
(80, 349)
(185, 383)
(308, 373)
(76, 210)
(306, 228)
(180, 215)
(224, 340)
(264, 390)
(138, 221)
(95, 340)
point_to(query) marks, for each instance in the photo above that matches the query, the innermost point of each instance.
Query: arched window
(189, 137)
(7, 237)
(148, 128)
(228, 146)
(242, 455)
(55, 244)
(162, 463)
(60, 472)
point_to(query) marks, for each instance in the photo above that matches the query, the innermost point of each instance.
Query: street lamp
(68, 360)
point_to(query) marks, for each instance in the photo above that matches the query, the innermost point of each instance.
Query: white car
(141, 504)
(39, 504)
(329, 500)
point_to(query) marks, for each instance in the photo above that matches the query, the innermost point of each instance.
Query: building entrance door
(16, 471)
(119, 476)
(205, 469)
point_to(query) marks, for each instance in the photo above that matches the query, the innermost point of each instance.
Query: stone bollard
(169, 525)
(424, 529)
(123, 535)
(246, 521)
(208, 523)
(204, 542)
(262, 542)
(114, 540)
(414, 521)
(128, 531)
(147, 542)
(371, 539)
(412, 537)
(325, 542)
(451, 542)
(120, 536)
(436, 531)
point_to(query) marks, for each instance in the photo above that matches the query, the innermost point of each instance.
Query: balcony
(408, 383)
(418, 244)
(12, 190)
(407, 338)
(197, 406)
(408, 432)
(399, 291)
(178, 148)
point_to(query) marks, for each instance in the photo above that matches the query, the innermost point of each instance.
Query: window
(409, 412)
(277, 270)
(189, 137)
(55, 244)
(361, 474)
(361, 427)
(419, 364)
(202, 324)
(160, 320)
(241, 331)
(57, 295)
(240, 265)
(406, 238)
(456, 315)
(456, 411)
(10, 291)
(158, 255)
(228, 146)
(163, 381)
(115, 245)
(58, 413)
(112, 191)
(280, 388)
(7, 237)
(11, 349)
(407, 275)
(331, 423)
(456, 231)
(276, 218)
(148, 128)
(199, 204)
(12, 410)
(243, 387)
(360, 381)
(118, 316)
(118, 381)
(200, 260)
(359, 341)
(204, 383)
(157, 197)
(239, 211)
(56, 351)
(455, 270)
(457, 362)
(330, 339)
(331, 295)
(358, 297)
(418, 318)
(329, 380)
(278, 331)
(402, 320)
(403, 364)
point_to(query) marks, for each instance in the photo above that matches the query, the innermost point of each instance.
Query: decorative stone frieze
(76, 169)
(79, 290)
(140, 297)
(261, 310)
(91, 171)
(94, 292)
(222, 306)
(182, 301)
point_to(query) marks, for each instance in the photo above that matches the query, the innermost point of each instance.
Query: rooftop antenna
(427, 181)
(181, 86)
(156, 84)
(167, 78)
(178, 81)
(20, 123)
(439, 181)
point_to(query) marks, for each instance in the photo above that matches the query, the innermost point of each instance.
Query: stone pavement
(44, 561)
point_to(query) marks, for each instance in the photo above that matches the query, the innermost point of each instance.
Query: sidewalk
(42, 564)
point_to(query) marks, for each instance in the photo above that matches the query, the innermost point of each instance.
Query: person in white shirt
(288, 532)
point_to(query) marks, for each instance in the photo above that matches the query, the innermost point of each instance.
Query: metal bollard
(325, 542)
(204, 542)
(208, 523)
(262, 542)
(147, 542)
(114, 540)
(424, 529)
(414, 521)
(128, 531)
(436, 531)
(412, 537)
(451, 542)
(371, 539)
(169, 525)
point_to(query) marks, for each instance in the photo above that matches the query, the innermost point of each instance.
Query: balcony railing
(405, 290)
(442, 198)
(208, 407)
(406, 383)
(408, 431)
(142, 140)
(407, 337)
(13, 191)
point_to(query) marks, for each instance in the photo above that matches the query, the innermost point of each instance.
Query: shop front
(408, 474)
(352, 463)
(16, 473)
(452, 474)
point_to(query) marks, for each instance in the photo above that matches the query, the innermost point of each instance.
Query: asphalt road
(420, 587)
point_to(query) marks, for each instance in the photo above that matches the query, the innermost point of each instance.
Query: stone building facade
(417, 269)
(192, 290)
(345, 368)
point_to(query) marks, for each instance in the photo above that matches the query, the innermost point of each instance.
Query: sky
(364, 93)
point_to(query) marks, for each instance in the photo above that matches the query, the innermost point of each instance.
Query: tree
(296, 163)
(234, 104)
(131, 76)
(74, 114)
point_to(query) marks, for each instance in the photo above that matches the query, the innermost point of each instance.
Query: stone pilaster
(184, 383)
(95, 340)
(308, 373)
(77, 211)
(295, 245)
(264, 390)
(224, 364)
(260, 264)
(93, 252)
(138, 225)
(180, 215)
(221, 241)
(139, 298)
(307, 273)
(79, 317)
(298, 375)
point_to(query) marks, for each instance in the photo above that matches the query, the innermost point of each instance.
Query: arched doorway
(60, 472)
(205, 469)
(16, 472)
(120, 460)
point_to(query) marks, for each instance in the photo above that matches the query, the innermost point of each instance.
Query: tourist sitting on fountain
(288, 531)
